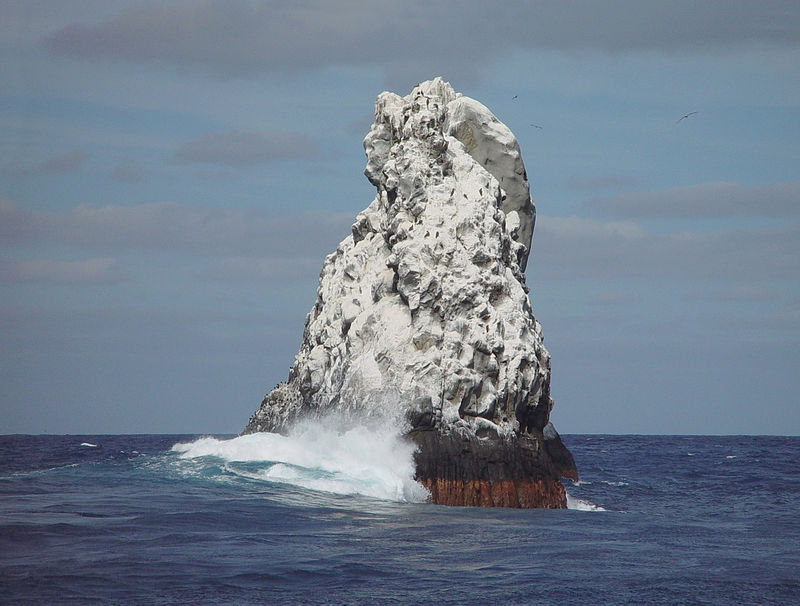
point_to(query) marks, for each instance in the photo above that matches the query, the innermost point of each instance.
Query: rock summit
(422, 315)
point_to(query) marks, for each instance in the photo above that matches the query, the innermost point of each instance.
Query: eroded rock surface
(422, 313)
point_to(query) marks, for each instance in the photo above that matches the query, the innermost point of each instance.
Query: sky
(173, 173)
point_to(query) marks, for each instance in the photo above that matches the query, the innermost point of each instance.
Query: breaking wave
(321, 455)
(581, 505)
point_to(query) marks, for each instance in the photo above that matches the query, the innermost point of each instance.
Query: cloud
(573, 247)
(737, 293)
(718, 199)
(129, 171)
(614, 298)
(243, 38)
(256, 244)
(600, 182)
(263, 269)
(16, 224)
(569, 228)
(63, 163)
(172, 227)
(786, 323)
(89, 271)
(241, 148)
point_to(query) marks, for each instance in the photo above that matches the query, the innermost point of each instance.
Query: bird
(515, 96)
(536, 126)
(685, 116)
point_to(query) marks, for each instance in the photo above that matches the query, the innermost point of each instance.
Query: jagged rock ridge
(422, 313)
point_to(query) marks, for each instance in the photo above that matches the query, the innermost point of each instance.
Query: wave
(581, 505)
(320, 455)
(36, 472)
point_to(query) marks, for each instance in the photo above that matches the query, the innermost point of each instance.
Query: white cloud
(599, 182)
(263, 269)
(251, 243)
(16, 224)
(175, 227)
(129, 171)
(591, 229)
(568, 248)
(61, 163)
(241, 148)
(717, 199)
(238, 37)
(88, 271)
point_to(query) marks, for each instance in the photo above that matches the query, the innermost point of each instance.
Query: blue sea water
(310, 519)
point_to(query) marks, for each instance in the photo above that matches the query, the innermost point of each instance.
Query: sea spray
(581, 505)
(325, 454)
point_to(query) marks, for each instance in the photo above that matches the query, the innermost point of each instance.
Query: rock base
(544, 493)
(496, 471)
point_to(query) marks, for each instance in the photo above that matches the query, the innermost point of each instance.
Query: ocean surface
(334, 518)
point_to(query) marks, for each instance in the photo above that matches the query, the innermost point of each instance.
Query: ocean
(334, 518)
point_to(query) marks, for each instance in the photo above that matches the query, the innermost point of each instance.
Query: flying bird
(685, 116)
(536, 126)
(515, 96)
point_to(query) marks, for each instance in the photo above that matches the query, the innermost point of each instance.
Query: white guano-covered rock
(422, 311)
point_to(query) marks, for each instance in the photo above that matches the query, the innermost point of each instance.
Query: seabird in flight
(685, 116)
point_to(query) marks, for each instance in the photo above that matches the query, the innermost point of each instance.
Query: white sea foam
(88, 444)
(581, 505)
(371, 461)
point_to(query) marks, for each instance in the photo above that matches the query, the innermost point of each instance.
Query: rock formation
(422, 314)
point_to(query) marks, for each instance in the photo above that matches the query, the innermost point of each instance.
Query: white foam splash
(581, 505)
(374, 461)
(88, 445)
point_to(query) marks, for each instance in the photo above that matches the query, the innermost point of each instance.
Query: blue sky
(172, 175)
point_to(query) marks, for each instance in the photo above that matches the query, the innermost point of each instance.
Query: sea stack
(422, 315)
